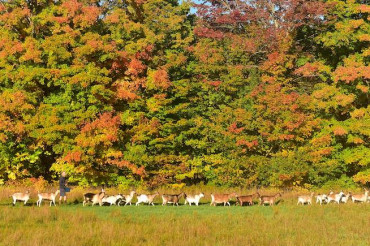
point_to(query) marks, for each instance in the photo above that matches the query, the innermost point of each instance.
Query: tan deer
(305, 199)
(174, 199)
(19, 196)
(268, 199)
(128, 198)
(247, 199)
(221, 198)
(47, 196)
(361, 198)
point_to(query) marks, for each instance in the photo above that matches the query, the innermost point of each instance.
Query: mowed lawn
(284, 224)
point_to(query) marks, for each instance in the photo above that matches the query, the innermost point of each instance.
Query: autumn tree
(80, 78)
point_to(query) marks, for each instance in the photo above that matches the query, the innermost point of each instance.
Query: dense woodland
(161, 92)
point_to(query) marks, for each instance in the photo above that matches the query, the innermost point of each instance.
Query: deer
(47, 196)
(321, 198)
(248, 199)
(19, 196)
(305, 199)
(193, 198)
(128, 198)
(361, 198)
(335, 197)
(146, 198)
(268, 199)
(94, 198)
(345, 198)
(174, 199)
(112, 200)
(221, 198)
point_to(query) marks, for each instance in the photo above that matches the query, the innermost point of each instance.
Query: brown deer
(94, 198)
(268, 199)
(221, 198)
(174, 199)
(248, 199)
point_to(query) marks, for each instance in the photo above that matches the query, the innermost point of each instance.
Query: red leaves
(95, 44)
(73, 156)
(61, 19)
(32, 53)
(249, 144)
(72, 6)
(274, 62)
(286, 137)
(13, 106)
(116, 158)
(82, 15)
(113, 18)
(104, 121)
(208, 33)
(125, 92)
(308, 69)
(234, 129)
(103, 130)
(89, 16)
(351, 73)
(146, 53)
(135, 67)
(161, 79)
(363, 8)
(358, 140)
(215, 84)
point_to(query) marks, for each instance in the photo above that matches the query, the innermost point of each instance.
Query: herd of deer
(101, 198)
(333, 197)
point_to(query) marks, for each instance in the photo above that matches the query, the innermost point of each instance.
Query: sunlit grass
(284, 224)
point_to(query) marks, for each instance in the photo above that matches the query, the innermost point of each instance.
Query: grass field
(284, 224)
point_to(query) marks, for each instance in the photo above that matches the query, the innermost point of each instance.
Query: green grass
(284, 224)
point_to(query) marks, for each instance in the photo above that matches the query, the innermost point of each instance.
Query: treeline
(157, 92)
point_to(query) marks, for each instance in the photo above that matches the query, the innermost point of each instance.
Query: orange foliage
(135, 67)
(233, 128)
(161, 79)
(73, 156)
(339, 131)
